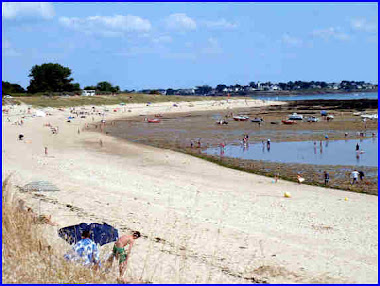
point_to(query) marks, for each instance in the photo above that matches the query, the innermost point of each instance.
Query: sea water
(336, 96)
(326, 152)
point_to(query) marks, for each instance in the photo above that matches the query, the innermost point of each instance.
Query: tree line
(53, 77)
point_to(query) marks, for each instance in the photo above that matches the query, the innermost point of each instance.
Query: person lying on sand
(120, 253)
(36, 218)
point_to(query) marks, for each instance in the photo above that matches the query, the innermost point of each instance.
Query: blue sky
(179, 45)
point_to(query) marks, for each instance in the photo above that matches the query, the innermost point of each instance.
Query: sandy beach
(201, 223)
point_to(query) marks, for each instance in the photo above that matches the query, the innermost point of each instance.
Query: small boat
(330, 117)
(295, 116)
(154, 120)
(369, 116)
(240, 118)
(257, 120)
(288, 122)
(222, 122)
(312, 119)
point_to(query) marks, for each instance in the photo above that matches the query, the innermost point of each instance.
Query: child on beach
(277, 175)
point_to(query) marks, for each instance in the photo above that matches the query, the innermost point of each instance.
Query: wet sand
(176, 131)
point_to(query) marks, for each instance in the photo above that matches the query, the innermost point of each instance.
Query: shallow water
(341, 96)
(337, 152)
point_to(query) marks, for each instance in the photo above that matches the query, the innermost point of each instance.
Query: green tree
(220, 87)
(50, 77)
(253, 84)
(9, 88)
(90, 87)
(170, 91)
(204, 89)
(104, 86)
(115, 89)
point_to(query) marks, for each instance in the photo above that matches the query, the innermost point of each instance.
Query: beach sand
(201, 223)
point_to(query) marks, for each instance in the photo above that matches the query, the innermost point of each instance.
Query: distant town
(267, 87)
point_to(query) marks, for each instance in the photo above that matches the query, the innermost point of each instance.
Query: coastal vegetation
(50, 78)
(71, 101)
(28, 257)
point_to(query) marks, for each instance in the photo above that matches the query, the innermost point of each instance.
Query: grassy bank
(28, 257)
(61, 101)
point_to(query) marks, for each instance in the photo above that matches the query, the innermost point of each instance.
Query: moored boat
(240, 118)
(295, 116)
(155, 120)
(288, 122)
(312, 119)
(257, 120)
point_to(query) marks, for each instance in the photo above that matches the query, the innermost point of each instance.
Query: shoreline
(200, 222)
(168, 138)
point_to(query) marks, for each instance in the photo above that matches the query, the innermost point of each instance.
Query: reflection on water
(339, 152)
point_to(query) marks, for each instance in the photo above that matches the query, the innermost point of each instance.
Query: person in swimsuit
(120, 253)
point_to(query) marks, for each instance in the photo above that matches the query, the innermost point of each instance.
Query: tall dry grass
(28, 257)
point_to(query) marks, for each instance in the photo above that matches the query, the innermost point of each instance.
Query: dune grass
(60, 101)
(27, 256)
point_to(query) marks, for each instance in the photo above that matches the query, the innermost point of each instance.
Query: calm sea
(342, 96)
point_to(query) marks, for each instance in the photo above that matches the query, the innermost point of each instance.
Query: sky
(183, 45)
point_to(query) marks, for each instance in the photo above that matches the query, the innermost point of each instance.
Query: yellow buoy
(287, 195)
(346, 199)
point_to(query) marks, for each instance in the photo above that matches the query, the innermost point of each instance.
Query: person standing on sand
(120, 253)
(327, 177)
(354, 176)
(361, 175)
(46, 151)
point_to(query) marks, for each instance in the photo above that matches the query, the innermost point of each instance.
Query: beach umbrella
(100, 233)
(40, 186)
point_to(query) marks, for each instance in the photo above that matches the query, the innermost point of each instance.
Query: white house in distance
(88, 92)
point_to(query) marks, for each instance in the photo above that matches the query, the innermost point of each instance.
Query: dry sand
(201, 223)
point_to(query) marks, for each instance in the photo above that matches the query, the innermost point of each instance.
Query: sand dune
(201, 223)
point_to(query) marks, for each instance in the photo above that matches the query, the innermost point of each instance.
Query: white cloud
(291, 41)
(180, 21)
(212, 47)
(13, 10)
(162, 39)
(331, 33)
(221, 24)
(107, 25)
(363, 25)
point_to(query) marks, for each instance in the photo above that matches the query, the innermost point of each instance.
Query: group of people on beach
(198, 142)
(86, 252)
